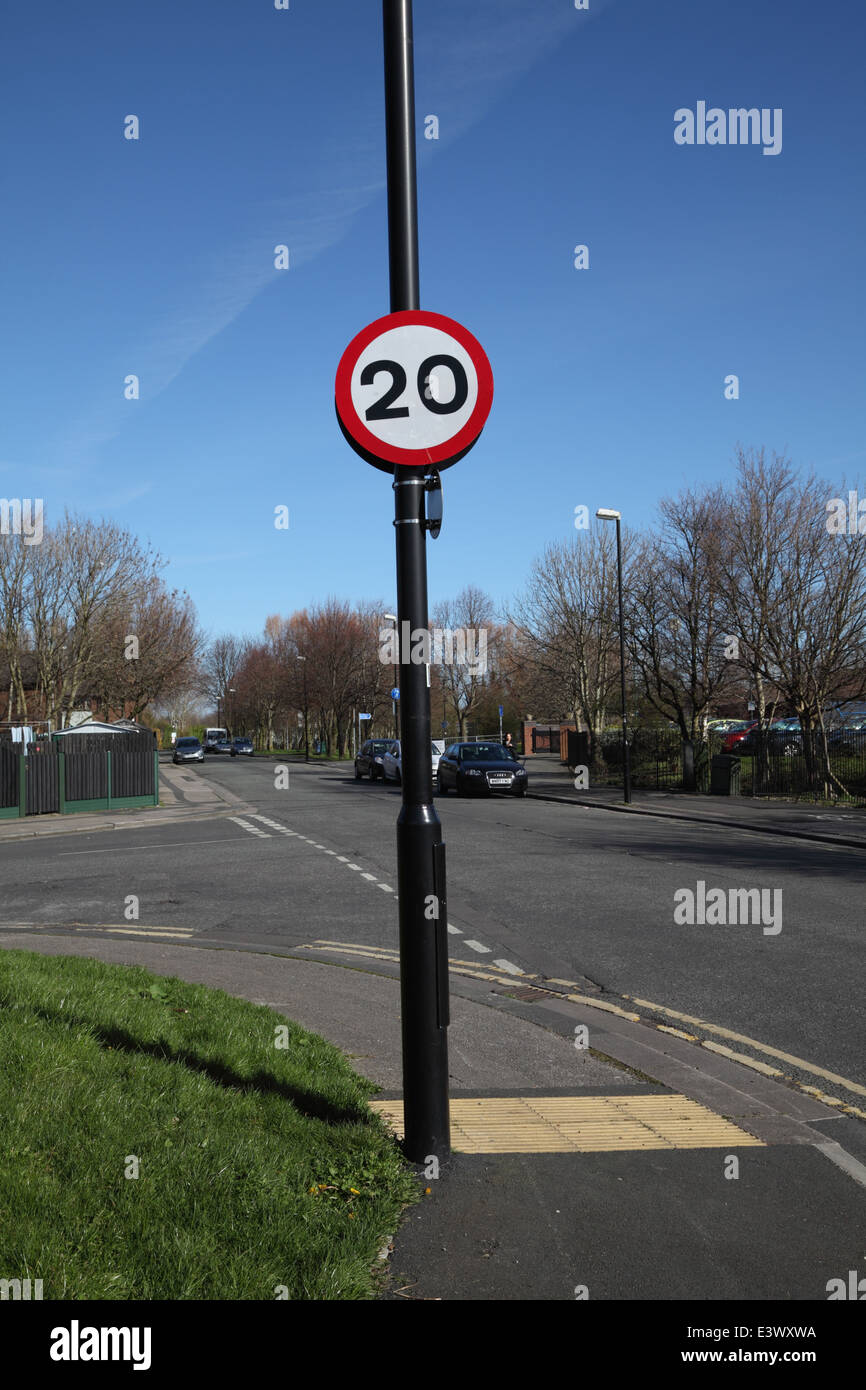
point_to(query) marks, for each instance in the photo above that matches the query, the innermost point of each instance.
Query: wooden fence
(87, 772)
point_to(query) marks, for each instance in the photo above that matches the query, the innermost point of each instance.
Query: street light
(608, 514)
(306, 730)
(393, 618)
(231, 691)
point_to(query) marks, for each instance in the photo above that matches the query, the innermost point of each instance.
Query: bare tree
(469, 645)
(566, 623)
(675, 612)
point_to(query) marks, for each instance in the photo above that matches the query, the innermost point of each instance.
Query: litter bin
(725, 775)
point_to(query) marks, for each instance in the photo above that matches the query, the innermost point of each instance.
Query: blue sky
(261, 127)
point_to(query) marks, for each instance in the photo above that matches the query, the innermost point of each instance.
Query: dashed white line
(476, 946)
(455, 931)
(508, 967)
(314, 844)
(253, 829)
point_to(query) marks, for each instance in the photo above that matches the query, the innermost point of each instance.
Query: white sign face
(413, 388)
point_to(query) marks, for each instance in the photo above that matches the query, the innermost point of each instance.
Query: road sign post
(423, 975)
(412, 394)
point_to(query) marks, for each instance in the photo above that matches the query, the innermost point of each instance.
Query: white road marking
(508, 967)
(476, 946)
(455, 931)
(284, 830)
(182, 935)
(253, 829)
(852, 1166)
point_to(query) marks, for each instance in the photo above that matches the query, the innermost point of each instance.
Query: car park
(480, 769)
(188, 750)
(368, 759)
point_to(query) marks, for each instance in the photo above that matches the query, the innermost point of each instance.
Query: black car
(188, 750)
(480, 768)
(242, 746)
(368, 760)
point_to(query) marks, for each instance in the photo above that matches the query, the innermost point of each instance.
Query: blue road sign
(501, 711)
(395, 694)
(365, 716)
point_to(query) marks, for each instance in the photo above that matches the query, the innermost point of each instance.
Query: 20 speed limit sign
(413, 388)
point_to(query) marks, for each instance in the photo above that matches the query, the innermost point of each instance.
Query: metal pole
(306, 719)
(626, 769)
(420, 852)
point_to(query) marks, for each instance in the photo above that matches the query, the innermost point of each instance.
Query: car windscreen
(187, 743)
(485, 753)
(380, 745)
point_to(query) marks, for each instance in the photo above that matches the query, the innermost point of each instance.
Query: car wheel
(441, 787)
(372, 774)
(521, 791)
(357, 773)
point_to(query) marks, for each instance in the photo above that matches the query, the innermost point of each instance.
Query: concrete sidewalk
(641, 1167)
(549, 780)
(182, 796)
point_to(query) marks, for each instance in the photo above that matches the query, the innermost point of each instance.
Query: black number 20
(384, 409)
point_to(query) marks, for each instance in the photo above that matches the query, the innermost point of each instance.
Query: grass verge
(260, 1167)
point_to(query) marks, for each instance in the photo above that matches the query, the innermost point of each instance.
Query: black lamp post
(420, 851)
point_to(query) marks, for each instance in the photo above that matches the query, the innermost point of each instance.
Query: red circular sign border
(389, 453)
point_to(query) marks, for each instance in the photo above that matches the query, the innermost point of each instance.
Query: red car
(736, 736)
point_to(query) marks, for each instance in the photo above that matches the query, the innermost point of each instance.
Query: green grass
(258, 1166)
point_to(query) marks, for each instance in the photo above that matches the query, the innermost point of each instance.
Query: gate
(545, 740)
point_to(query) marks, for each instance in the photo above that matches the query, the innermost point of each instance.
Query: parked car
(368, 760)
(783, 738)
(848, 738)
(392, 763)
(242, 747)
(727, 726)
(480, 768)
(188, 750)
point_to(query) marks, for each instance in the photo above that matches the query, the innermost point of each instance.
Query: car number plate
(500, 781)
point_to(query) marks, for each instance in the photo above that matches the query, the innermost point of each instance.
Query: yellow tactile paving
(581, 1124)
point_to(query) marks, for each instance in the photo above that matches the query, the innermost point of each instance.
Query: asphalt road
(556, 890)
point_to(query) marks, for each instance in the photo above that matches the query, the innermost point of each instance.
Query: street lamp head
(392, 616)
(607, 514)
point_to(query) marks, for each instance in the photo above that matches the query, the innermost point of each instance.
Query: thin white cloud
(479, 51)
